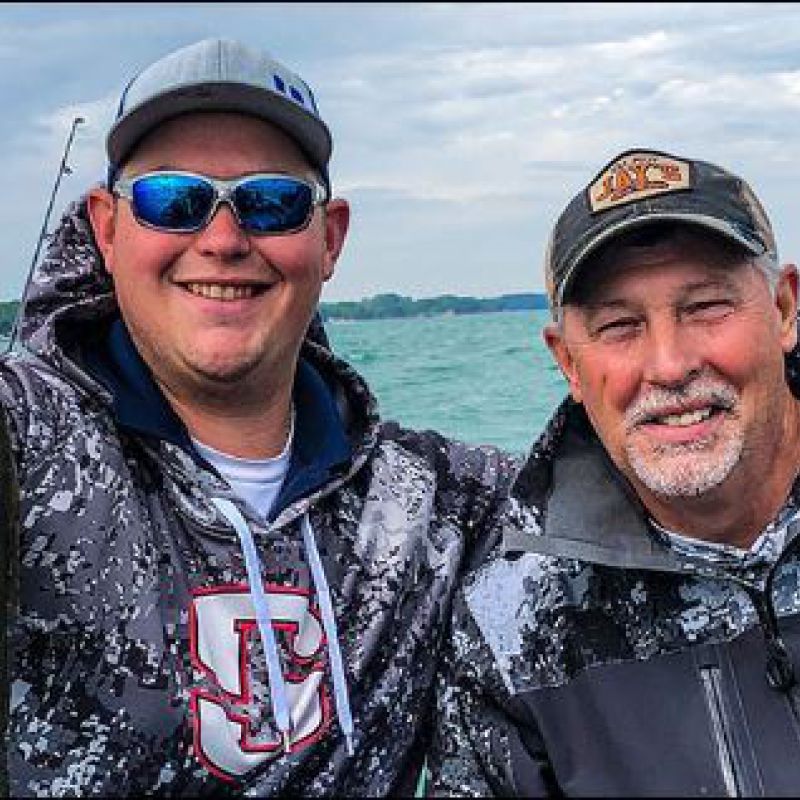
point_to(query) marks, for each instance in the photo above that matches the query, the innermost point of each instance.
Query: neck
(737, 511)
(242, 430)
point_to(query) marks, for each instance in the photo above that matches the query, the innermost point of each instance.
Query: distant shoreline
(381, 306)
(394, 306)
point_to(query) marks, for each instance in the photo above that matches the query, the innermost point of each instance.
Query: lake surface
(484, 378)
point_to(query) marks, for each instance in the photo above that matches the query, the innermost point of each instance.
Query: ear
(559, 348)
(101, 206)
(786, 303)
(337, 221)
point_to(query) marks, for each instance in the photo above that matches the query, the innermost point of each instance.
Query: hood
(69, 292)
(69, 311)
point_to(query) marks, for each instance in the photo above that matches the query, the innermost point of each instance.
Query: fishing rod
(63, 169)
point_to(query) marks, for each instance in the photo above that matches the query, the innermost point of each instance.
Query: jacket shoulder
(455, 458)
(41, 406)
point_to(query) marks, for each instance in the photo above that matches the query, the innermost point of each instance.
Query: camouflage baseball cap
(640, 187)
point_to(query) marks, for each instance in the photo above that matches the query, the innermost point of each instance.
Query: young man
(634, 631)
(233, 575)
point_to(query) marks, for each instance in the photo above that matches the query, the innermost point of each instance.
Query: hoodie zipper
(720, 729)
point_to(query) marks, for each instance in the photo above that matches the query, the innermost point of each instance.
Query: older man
(635, 629)
(233, 575)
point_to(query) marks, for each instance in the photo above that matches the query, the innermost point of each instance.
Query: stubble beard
(686, 469)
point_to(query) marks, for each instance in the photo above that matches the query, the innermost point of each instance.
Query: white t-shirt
(256, 480)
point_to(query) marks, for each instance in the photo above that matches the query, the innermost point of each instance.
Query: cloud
(512, 104)
(460, 130)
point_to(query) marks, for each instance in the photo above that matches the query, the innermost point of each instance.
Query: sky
(461, 130)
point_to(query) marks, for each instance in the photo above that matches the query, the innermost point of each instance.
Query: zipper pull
(780, 670)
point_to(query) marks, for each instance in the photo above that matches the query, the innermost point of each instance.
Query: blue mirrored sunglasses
(183, 202)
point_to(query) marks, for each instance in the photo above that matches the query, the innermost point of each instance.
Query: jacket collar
(584, 507)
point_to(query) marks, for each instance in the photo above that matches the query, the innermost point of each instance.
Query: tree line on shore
(380, 306)
(383, 306)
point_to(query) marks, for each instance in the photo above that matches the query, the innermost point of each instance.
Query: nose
(223, 237)
(671, 358)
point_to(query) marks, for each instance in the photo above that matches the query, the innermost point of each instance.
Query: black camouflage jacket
(133, 661)
(592, 656)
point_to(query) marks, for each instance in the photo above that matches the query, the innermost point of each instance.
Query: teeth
(689, 418)
(217, 291)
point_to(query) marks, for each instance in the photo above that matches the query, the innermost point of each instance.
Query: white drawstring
(277, 687)
(331, 634)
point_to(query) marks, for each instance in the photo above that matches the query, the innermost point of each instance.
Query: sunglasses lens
(172, 202)
(273, 205)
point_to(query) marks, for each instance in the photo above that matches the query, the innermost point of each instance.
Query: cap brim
(309, 132)
(753, 246)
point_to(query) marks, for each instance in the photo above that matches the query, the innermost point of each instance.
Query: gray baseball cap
(641, 187)
(219, 75)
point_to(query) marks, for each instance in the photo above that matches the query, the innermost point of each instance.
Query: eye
(708, 310)
(617, 328)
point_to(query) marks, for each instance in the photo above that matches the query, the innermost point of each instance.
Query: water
(483, 378)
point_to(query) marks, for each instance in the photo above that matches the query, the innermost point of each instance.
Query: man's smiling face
(218, 307)
(677, 354)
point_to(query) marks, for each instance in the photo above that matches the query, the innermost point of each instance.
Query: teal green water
(483, 378)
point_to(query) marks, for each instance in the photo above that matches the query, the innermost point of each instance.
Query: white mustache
(702, 391)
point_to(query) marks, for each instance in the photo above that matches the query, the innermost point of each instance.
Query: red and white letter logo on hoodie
(233, 726)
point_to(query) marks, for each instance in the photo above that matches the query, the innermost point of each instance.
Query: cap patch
(635, 176)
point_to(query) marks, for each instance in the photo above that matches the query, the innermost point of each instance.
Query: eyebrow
(722, 282)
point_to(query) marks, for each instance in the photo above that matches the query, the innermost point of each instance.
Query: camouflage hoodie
(593, 655)
(138, 647)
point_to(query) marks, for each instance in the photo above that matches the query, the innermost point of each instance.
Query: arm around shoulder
(483, 475)
(486, 743)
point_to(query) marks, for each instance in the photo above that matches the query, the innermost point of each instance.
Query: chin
(224, 370)
(688, 476)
